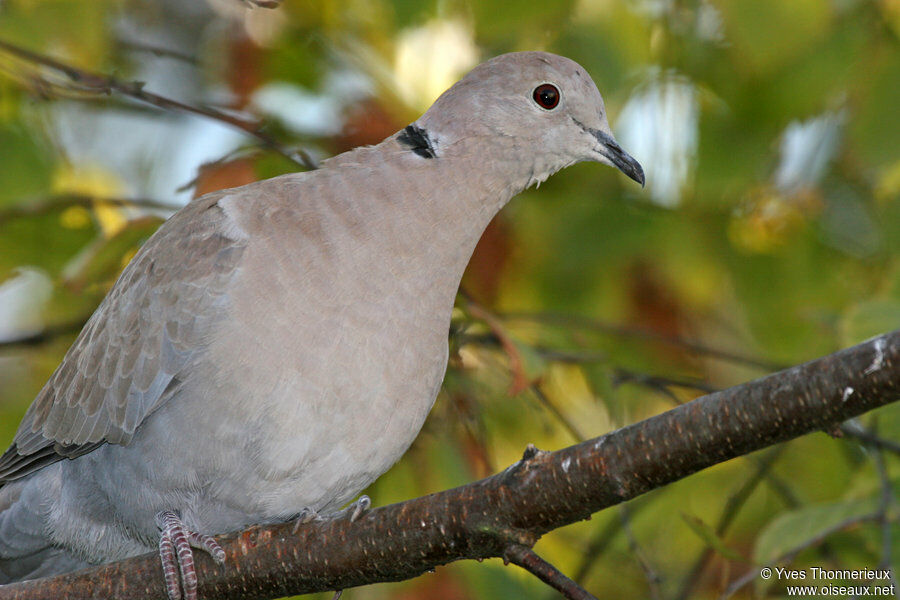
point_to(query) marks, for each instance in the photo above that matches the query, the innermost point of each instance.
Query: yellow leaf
(97, 183)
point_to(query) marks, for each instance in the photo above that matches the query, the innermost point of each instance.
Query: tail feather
(46, 562)
(25, 550)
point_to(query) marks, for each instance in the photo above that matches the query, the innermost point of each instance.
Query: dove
(274, 348)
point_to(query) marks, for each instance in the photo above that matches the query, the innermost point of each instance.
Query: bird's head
(539, 106)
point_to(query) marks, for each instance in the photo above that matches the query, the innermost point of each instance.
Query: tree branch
(582, 322)
(95, 83)
(527, 559)
(541, 492)
(45, 335)
(33, 208)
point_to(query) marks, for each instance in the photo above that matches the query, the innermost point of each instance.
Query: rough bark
(545, 490)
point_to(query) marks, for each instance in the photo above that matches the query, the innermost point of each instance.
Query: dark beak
(623, 161)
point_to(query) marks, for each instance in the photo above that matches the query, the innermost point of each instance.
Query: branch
(95, 83)
(264, 3)
(856, 431)
(47, 334)
(46, 205)
(527, 559)
(159, 51)
(582, 322)
(541, 492)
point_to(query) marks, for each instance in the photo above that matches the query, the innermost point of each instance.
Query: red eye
(546, 95)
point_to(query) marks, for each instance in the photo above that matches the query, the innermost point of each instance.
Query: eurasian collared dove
(276, 347)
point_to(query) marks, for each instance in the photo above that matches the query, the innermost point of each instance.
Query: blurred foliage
(776, 249)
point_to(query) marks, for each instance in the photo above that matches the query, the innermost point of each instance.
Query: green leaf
(868, 319)
(806, 526)
(708, 535)
(27, 167)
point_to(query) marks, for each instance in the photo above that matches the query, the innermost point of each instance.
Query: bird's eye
(546, 95)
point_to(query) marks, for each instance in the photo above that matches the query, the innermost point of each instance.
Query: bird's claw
(307, 515)
(360, 507)
(353, 512)
(175, 552)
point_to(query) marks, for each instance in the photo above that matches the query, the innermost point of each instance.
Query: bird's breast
(332, 371)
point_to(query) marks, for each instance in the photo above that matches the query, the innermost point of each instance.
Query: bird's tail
(25, 550)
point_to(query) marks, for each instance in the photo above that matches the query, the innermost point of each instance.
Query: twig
(45, 335)
(520, 379)
(527, 559)
(603, 538)
(160, 51)
(652, 577)
(475, 434)
(95, 83)
(754, 572)
(575, 357)
(623, 375)
(857, 431)
(732, 506)
(884, 511)
(231, 155)
(644, 334)
(659, 383)
(46, 205)
(556, 412)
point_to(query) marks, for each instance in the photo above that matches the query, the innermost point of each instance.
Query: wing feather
(139, 342)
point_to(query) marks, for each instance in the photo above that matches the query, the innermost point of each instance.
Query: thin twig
(652, 577)
(473, 429)
(575, 357)
(88, 81)
(44, 336)
(527, 559)
(43, 206)
(623, 375)
(884, 510)
(857, 431)
(659, 383)
(520, 379)
(231, 155)
(732, 506)
(583, 322)
(603, 538)
(787, 556)
(159, 51)
(556, 412)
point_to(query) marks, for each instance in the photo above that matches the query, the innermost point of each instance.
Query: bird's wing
(137, 346)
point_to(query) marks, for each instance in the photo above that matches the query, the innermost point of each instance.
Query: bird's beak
(618, 157)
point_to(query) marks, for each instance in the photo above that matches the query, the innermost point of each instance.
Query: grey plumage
(278, 346)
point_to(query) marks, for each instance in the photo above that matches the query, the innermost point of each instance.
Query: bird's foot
(353, 512)
(358, 508)
(307, 515)
(175, 552)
